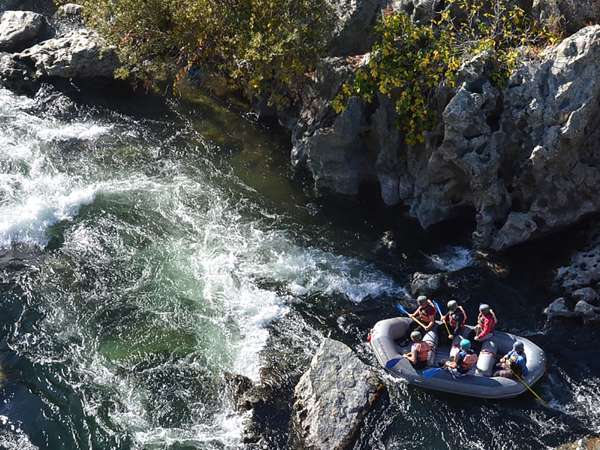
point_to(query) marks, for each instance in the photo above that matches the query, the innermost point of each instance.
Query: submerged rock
(78, 54)
(427, 284)
(20, 29)
(333, 397)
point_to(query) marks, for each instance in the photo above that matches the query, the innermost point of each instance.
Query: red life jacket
(452, 321)
(426, 313)
(423, 350)
(486, 323)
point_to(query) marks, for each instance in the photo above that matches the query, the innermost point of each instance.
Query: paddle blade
(437, 305)
(392, 362)
(400, 308)
(428, 373)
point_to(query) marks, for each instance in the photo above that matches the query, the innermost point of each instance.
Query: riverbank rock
(586, 443)
(15, 75)
(20, 29)
(427, 284)
(579, 284)
(78, 54)
(524, 161)
(333, 397)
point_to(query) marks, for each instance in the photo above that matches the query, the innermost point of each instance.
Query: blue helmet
(465, 344)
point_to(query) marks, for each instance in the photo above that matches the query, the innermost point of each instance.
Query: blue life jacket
(520, 360)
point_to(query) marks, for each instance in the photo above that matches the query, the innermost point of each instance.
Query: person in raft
(486, 323)
(464, 360)
(514, 363)
(455, 319)
(419, 351)
(425, 314)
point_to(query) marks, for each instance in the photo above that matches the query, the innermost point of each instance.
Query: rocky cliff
(523, 161)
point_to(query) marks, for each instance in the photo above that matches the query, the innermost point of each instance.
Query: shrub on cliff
(263, 47)
(410, 61)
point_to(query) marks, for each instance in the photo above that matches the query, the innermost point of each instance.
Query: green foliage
(410, 61)
(263, 47)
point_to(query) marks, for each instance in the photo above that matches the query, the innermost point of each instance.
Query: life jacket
(426, 313)
(486, 323)
(423, 351)
(462, 317)
(468, 361)
(518, 363)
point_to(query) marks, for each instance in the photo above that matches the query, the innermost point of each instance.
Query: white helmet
(452, 305)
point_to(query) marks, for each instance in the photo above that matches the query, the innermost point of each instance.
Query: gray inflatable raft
(477, 383)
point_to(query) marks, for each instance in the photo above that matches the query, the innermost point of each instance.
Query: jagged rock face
(15, 75)
(20, 29)
(525, 161)
(329, 146)
(78, 54)
(570, 14)
(353, 28)
(332, 398)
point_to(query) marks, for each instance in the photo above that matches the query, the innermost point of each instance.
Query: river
(148, 250)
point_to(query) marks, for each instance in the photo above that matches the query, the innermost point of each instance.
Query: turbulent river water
(147, 251)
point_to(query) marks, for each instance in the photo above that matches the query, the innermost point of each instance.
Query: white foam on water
(452, 259)
(249, 272)
(12, 436)
(33, 195)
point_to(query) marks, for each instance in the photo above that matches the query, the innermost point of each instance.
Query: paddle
(524, 383)
(400, 308)
(442, 317)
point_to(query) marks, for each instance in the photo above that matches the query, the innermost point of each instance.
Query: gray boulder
(427, 284)
(585, 309)
(586, 294)
(583, 269)
(78, 54)
(332, 398)
(15, 75)
(71, 10)
(559, 309)
(68, 17)
(353, 25)
(20, 29)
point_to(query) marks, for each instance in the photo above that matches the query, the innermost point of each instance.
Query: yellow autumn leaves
(409, 61)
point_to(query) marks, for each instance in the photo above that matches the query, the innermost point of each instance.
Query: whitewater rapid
(204, 269)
